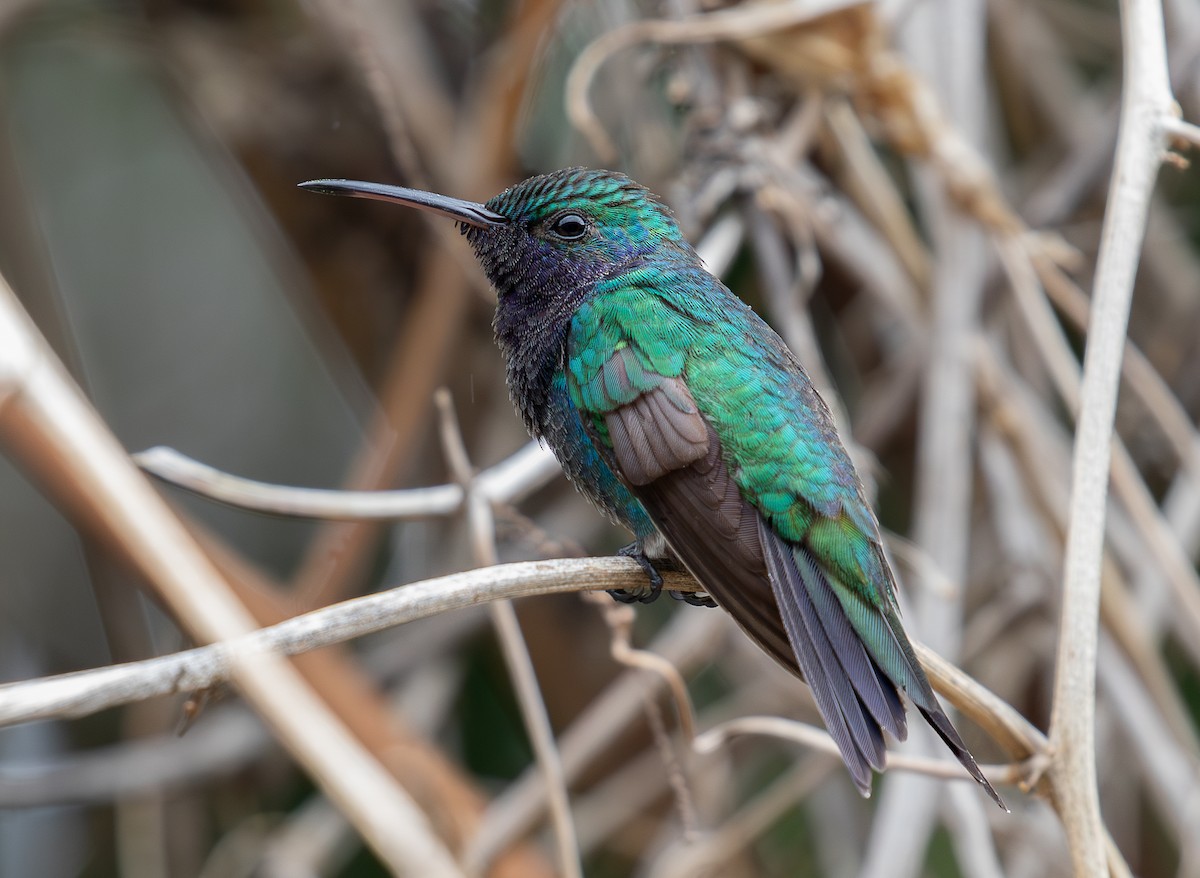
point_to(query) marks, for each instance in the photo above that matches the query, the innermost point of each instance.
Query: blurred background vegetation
(149, 222)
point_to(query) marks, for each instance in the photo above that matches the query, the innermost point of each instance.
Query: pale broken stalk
(48, 425)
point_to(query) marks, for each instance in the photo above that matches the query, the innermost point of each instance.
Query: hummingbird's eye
(569, 227)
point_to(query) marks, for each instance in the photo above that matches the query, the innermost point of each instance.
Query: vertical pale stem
(1145, 104)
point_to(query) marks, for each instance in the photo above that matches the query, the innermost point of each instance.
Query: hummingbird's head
(550, 239)
(568, 230)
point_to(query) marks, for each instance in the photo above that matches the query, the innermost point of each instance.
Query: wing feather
(654, 434)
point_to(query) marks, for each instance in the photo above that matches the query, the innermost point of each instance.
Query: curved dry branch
(86, 692)
(735, 23)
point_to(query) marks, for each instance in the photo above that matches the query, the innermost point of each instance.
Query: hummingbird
(680, 413)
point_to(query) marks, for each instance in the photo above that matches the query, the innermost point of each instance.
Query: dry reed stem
(871, 187)
(1141, 377)
(1129, 486)
(950, 134)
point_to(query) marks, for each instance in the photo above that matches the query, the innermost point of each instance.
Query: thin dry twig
(716, 849)
(1017, 773)
(512, 642)
(225, 742)
(687, 641)
(620, 619)
(620, 622)
(509, 481)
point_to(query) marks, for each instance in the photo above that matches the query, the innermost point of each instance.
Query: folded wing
(850, 649)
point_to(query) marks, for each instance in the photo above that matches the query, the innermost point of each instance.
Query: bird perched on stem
(683, 416)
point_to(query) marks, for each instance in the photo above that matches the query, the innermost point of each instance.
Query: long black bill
(469, 212)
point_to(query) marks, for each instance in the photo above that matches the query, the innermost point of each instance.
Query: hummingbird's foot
(694, 598)
(640, 595)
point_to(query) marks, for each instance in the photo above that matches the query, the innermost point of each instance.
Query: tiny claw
(641, 596)
(625, 596)
(694, 598)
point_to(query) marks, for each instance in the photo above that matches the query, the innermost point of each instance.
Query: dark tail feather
(946, 731)
(855, 694)
(875, 690)
(921, 694)
(892, 695)
(850, 723)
